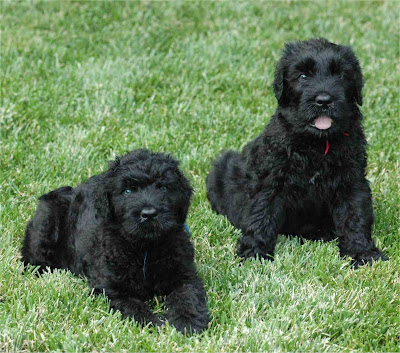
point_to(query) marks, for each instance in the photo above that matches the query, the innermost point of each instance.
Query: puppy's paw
(252, 253)
(147, 319)
(156, 321)
(187, 327)
(368, 258)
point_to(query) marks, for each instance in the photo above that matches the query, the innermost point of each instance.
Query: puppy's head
(149, 195)
(320, 83)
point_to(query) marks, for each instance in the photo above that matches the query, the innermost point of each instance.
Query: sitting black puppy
(305, 174)
(124, 231)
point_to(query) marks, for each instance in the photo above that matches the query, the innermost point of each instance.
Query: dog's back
(46, 234)
(225, 184)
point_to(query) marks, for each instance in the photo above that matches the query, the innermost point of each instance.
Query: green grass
(82, 82)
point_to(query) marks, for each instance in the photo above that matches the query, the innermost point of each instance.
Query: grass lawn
(82, 82)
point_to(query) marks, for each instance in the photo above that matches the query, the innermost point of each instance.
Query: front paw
(149, 319)
(246, 251)
(368, 257)
(186, 326)
(156, 321)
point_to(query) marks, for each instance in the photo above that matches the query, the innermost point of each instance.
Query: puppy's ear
(186, 187)
(112, 165)
(187, 192)
(110, 205)
(359, 83)
(280, 84)
(358, 76)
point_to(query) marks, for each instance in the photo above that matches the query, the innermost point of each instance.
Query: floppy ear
(188, 192)
(359, 83)
(101, 200)
(187, 189)
(358, 77)
(114, 164)
(279, 84)
(110, 205)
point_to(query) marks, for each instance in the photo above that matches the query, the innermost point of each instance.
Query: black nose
(148, 213)
(323, 99)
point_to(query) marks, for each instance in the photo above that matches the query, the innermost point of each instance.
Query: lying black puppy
(124, 231)
(305, 174)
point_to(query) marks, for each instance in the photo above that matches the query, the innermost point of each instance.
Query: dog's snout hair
(149, 197)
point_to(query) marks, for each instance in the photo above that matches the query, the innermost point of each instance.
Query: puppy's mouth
(146, 230)
(151, 228)
(322, 122)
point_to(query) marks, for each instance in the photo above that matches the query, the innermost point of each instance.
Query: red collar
(327, 143)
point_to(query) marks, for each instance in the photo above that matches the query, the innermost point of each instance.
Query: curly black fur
(123, 230)
(296, 178)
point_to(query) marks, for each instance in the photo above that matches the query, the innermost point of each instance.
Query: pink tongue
(323, 122)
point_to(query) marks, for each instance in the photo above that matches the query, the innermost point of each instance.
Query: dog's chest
(159, 271)
(313, 177)
(153, 271)
(317, 176)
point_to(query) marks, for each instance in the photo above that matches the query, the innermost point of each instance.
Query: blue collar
(145, 253)
(187, 229)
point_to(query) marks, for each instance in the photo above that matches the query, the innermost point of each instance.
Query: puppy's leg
(134, 308)
(187, 307)
(261, 231)
(353, 219)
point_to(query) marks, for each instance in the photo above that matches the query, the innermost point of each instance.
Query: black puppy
(305, 174)
(124, 231)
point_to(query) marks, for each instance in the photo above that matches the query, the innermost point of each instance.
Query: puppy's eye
(162, 187)
(303, 77)
(127, 191)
